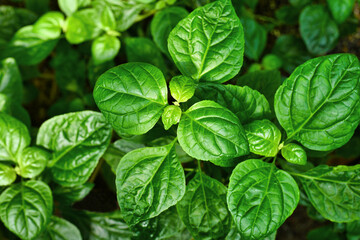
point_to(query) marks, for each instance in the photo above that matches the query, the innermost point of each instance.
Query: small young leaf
(68, 6)
(203, 209)
(264, 137)
(160, 185)
(321, 118)
(49, 25)
(14, 137)
(208, 44)
(107, 17)
(32, 162)
(260, 198)
(162, 24)
(319, 32)
(341, 9)
(182, 88)
(60, 229)
(26, 208)
(7, 175)
(245, 103)
(77, 140)
(334, 191)
(171, 116)
(208, 131)
(104, 48)
(132, 97)
(82, 26)
(294, 153)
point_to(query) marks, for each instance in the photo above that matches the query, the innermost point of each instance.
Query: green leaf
(10, 80)
(28, 47)
(203, 209)
(14, 137)
(68, 6)
(140, 49)
(353, 230)
(60, 229)
(105, 48)
(333, 191)
(162, 24)
(260, 198)
(208, 131)
(182, 88)
(324, 108)
(32, 162)
(7, 175)
(294, 153)
(323, 233)
(255, 38)
(292, 51)
(319, 32)
(264, 137)
(26, 208)
(132, 97)
(70, 195)
(208, 44)
(299, 3)
(107, 17)
(265, 82)
(245, 103)
(341, 9)
(82, 26)
(160, 185)
(49, 25)
(171, 116)
(77, 140)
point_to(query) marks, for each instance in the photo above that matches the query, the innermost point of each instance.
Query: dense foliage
(249, 128)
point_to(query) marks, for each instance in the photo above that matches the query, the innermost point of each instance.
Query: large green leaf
(149, 181)
(26, 208)
(264, 137)
(7, 175)
(77, 140)
(10, 80)
(341, 9)
(209, 43)
(203, 208)
(132, 97)
(260, 198)
(14, 137)
(60, 229)
(318, 105)
(245, 103)
(32, 161)
(162, 24)
(319, 32)
(333, 191)
(208, 131)
(28, 47)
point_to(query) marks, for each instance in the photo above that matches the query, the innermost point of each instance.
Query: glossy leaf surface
(203, 209)
(7, 175)
(132, 97)
(105, 48)
(208, 131)
(171, 116)
(26, 208)
(294, 153)
(32, 162)
(264, 137)
(49, 25)
(182, 88)
(208, 44)
(318, 105)
(77, 140)
(160, 185)
(10, 80)
(260, 198)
